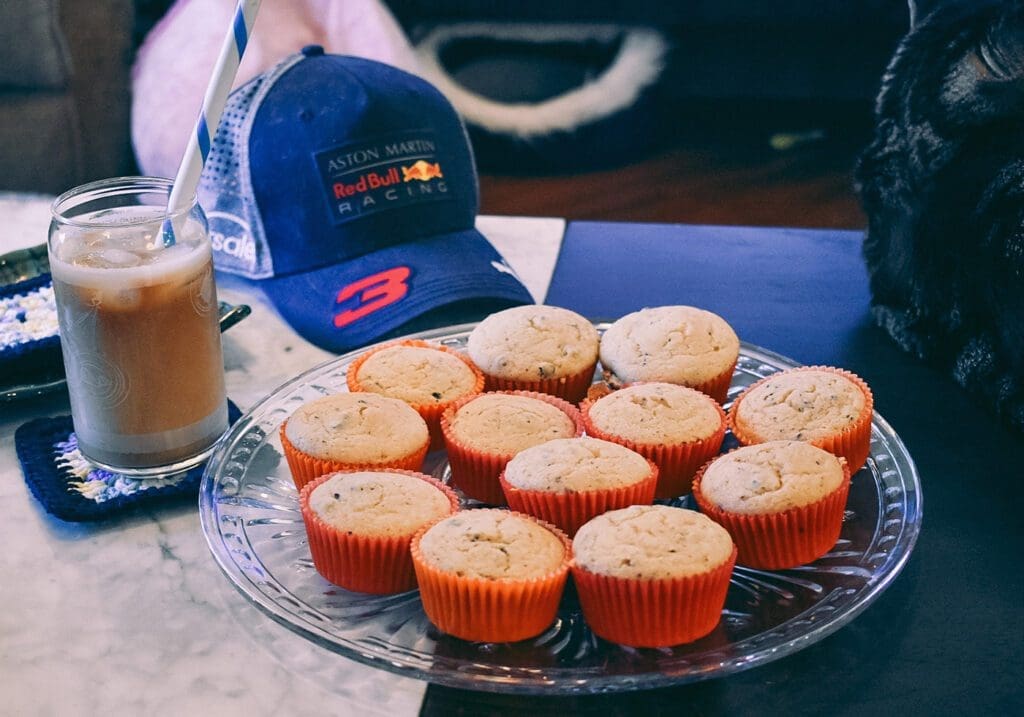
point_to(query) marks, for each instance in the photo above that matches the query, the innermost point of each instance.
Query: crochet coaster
(29, 344)
(72, 489)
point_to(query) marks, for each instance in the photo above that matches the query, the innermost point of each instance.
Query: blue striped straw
(231, 51)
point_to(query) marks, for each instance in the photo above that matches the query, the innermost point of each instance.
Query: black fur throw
(942, 184)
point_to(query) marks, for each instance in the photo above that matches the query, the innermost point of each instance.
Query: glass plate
(250, 516)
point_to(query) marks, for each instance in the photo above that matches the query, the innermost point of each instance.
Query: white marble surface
(132, 616)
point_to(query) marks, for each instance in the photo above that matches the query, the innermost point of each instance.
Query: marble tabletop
(132, 616)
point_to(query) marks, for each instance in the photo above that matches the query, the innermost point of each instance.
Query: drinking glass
(137, 307)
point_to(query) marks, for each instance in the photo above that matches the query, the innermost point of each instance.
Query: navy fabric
(346, 108)
(417, 275)
(328, 169)
(804, 294)
(801, 293)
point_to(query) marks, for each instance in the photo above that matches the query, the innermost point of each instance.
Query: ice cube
(107, 259)
(122, 299)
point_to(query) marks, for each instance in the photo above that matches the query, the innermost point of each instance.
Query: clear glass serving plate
(250, 516)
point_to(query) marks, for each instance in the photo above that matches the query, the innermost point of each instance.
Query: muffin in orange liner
(652, 575)
(828, 407)
(407, 371)
(360, 541)
(568, 481)
(490, 575)
(353, 431)
(684, 345)
(539, 348)
(483, 433)
(781, 501)
(676, 427)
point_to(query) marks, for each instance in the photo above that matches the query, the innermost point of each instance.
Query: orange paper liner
(776, 541)
(483, 610)
(852, 443)
(572, 388)
(677, 462)
(431, 412)
(305, 467)
(717, 386)
(655, 612)
(381, 565)
(569, 510)
(475, 472)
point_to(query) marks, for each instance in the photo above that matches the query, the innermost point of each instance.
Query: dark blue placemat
(71, 489)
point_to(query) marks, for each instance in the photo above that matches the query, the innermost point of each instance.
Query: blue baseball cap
(347, 188)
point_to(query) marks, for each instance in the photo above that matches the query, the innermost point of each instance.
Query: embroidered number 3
(372, 292)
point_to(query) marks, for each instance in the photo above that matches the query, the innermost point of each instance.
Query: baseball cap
(347, 188)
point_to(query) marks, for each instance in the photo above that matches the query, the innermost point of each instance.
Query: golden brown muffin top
(357, 428)
(804, 405)
(677, 344)
(657, 413)
(378, 503)
(493, 545)
(506, 424)
(416, 374)
(646, 542)
(771, 477)
(533, 342)
(570, 465)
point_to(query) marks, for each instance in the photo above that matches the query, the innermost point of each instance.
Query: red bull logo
(422, 171)
(379, 173)
(366, 182)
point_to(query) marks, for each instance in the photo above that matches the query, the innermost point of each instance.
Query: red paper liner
(677, 462)
(305, 467)
(653, 613)
(431, 412)
(381, 565)
(572, 388)
(852, 443)
(776, 541)
(717, 386)
(475, 472)
(482, 610)
(569, 510)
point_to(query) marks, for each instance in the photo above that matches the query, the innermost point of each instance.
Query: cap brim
(345, 306)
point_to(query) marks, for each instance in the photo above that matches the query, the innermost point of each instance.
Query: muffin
(360, 524)
(652, 575)
(482, 433)
(782, 501)
(536, 348)
(678, 428)
(825, 406)
(491, 575)
(672, 344)
(353, 430)
(568, 481)
(426, 376)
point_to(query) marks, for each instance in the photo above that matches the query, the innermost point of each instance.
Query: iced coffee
(138, 324)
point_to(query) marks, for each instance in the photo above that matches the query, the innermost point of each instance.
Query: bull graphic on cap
(423, 171)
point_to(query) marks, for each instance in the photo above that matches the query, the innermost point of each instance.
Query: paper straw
(231, 51)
